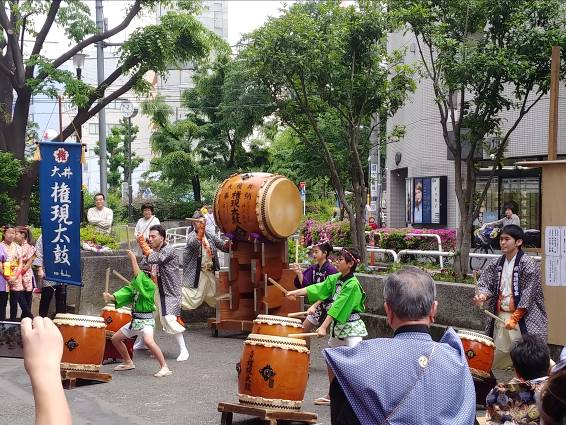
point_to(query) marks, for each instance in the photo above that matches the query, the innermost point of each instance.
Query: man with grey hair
(407, 379)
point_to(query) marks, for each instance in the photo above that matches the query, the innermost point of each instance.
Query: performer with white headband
(348, 297)
(200, 261)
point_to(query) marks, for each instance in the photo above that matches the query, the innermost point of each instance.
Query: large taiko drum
(84, 338)
(273, 372)
(479, 350)
(116, 318)
(265, 324)
(261, 203)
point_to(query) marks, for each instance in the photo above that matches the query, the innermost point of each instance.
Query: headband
(354, 259)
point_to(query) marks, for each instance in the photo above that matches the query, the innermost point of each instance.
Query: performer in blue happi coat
(407, 379)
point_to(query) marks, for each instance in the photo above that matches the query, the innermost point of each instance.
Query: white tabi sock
(183, 351)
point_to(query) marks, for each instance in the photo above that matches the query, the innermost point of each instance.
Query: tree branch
(40, 39)
(14, 47)
(94, 39)
(70, 129)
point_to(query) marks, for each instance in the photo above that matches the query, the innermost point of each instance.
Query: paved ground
(189, 397)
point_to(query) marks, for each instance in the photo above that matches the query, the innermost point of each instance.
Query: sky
(245, 16)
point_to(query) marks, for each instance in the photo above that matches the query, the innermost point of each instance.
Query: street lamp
(79, 63)
(129, 111)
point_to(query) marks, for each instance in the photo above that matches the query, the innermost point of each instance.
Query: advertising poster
(418, 201)
(409, 200)
(435, 200)
(427, 201)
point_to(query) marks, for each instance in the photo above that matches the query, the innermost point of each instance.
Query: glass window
(93, 128)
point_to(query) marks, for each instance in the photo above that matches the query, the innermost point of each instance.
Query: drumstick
(303, 335)
(297, 251)
(490, 314)
(278, 286)
(107, 279)
(297, 314)
(120, 276)
(128, 237)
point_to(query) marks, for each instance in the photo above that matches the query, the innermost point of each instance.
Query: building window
(93, 128)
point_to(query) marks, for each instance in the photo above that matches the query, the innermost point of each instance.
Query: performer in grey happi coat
(164, 262)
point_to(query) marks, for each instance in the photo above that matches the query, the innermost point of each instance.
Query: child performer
(348, 297)
(316, 273)
(140, 293)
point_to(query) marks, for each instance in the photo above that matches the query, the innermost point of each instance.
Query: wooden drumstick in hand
(306, 334)
(493, 316)
(298, 314)
(107, 282)
(277, 285)
(118, 275)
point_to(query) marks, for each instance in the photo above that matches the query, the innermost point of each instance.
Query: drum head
(475, 336)
(278, 320)
(281, 209)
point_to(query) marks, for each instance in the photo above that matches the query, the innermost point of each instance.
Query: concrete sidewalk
(189, 397)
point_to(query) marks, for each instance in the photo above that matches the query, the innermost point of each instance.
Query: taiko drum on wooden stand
(116, 318)
(273, 372)
(262, 203)
(479, 350)
(84, 338)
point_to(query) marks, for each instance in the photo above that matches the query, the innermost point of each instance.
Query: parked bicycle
(483, 240)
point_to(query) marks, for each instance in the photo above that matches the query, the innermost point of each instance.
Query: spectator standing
(48, 288)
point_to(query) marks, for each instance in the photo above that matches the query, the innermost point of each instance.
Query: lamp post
(129, 111)
(79, 63)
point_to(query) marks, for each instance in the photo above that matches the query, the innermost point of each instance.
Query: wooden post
(553, 112)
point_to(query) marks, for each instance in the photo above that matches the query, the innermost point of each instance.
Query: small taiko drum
(265, 324)
(479, 350)
(262, 203)
(273, 372)
(116, 318)
(84, 338)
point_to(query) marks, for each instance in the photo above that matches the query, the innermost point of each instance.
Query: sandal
(322, 401)
(164, 371)
(124, 366)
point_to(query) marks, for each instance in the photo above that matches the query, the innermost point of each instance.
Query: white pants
(192, 298)
(504, 340)
(130, 333)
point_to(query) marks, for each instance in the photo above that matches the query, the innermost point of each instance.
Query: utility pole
(129, 144)
(60, 102)
(102, 114)
(553, 113)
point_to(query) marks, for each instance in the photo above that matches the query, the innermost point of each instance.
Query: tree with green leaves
(223, 109)
(118, 145)
(321, 60)
(485, 58)
(178, 38)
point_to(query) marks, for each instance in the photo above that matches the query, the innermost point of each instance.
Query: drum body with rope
(273, 372)
(84, 338)
(116, 318)
(265, 324)
(260, 203)
(479, 350)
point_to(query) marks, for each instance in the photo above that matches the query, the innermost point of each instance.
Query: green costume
(139, 293)
(348, 301)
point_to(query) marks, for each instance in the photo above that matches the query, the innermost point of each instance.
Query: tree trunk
(23, 192)
(195, 181)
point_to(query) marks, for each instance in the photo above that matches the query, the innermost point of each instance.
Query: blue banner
(60, 179)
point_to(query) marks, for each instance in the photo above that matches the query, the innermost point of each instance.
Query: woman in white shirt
(148, 220)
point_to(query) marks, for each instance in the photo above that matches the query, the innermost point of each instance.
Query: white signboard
(555, 255)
